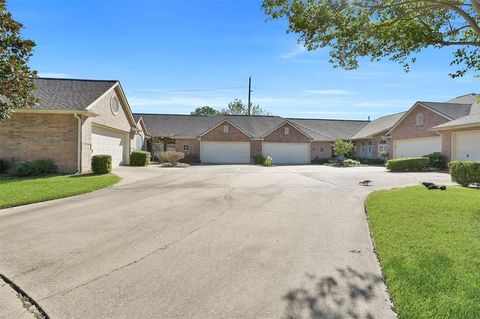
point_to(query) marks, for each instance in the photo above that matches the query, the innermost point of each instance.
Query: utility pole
(249, 95)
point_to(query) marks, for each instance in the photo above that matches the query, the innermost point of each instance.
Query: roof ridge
(314, 119)
(73, 79)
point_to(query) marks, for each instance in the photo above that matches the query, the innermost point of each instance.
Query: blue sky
(174, 55)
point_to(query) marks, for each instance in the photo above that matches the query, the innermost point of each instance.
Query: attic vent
(114, 105)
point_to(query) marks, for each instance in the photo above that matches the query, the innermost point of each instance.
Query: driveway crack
(228, 200)
(27, 302)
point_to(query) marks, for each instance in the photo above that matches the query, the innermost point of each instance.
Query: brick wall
(316, 146)
(233, 135)
(255, 149)
(408, 128)
(294, 136)
(193, 144)
(40, 136)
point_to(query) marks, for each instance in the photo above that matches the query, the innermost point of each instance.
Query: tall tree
(392, 29)
(205, 110)
(236, 107)
(16, 78)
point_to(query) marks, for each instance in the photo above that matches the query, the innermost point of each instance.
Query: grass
(428, 243)
(22, 191)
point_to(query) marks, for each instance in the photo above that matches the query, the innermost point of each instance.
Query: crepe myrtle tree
(342, 148)
(16, 84)
(393, 29)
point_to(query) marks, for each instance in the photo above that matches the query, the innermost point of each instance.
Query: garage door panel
(416, 146)
(287, 153)
(467, 146)
(225, 152)
(109, 142)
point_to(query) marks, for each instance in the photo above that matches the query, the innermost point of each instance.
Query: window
(114, 105)
(382, 147)
(322, 149)
(287, 130)
(225, 129)
(370, 148)
(362, 149)
(186, 148)
(420, 119)
(171, 146)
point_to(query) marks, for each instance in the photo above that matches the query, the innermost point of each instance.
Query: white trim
(79, 143)
(446, 128)
(417, 104)
(220, 123)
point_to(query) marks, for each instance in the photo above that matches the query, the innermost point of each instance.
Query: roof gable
(377, 126)
(289, 124)
(225, 121)
(69, 94)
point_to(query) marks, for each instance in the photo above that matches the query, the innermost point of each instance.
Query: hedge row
(408, 164)
(465, 173)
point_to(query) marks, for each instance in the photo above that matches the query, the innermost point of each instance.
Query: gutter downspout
(79, 143)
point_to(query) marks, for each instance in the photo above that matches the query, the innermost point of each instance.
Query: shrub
(465, 173)
(34, 168)
(101, 164)
(140, 158)
(3, 166)
(261, 159)
(350, 163)
(190, 159)
(171, 157)
(320, 161)
(371, 161)
(437, 160)
(408, 164)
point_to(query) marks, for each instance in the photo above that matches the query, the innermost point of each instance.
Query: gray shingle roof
(451, 110)
(473, 119)
(379, 125)
(175, 125)
(69, 94)
(331, 129)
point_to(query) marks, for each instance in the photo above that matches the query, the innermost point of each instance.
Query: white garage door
(417, 146)
(225, 152)
(108, 142)
(288, 153)
(467, 146)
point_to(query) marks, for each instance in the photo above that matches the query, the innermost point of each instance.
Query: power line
(190, 90)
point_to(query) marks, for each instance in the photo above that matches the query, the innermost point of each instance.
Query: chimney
(369, 118)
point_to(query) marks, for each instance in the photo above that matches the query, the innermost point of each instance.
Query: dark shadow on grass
(346, 295)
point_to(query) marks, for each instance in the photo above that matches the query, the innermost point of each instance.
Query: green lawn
(428, 243)
(21, 191)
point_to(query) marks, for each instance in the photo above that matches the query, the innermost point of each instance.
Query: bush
(190, 159)
(371, 161)
(350, 163)
(320, 161)
(437, 160)
(3, 166)
(465, 173)
(171, 157)
(140, 158)
(101, 164)
(408, 164)
(34, 168)
(260, 159)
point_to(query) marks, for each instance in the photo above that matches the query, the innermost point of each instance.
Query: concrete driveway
(205, 242)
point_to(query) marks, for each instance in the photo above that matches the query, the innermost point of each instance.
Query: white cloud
(330, 92)
(53, 75)
(299, 50)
